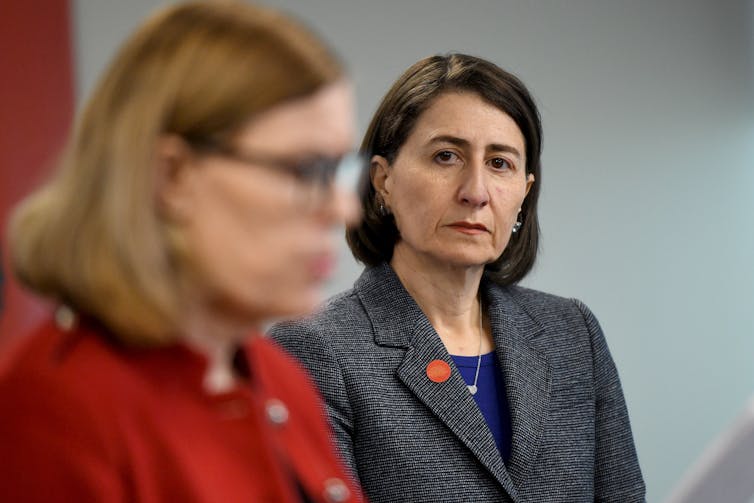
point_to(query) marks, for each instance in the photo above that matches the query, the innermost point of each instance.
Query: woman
(194, 203)
(443, 380)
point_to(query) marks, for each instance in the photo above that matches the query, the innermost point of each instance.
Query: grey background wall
(648, 187)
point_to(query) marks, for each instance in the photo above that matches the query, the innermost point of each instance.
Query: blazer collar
(399, 322)
(394, 314)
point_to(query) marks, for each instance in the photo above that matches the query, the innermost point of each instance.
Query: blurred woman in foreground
(194, 202)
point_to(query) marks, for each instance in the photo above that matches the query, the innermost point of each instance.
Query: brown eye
(446, 157)
(500, 164)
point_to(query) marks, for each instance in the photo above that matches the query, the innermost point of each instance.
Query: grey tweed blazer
(409, 439)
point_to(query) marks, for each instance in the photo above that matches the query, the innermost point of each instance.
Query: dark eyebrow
(460, 142)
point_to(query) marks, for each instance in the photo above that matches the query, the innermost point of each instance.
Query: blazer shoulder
(50, 356)
(556, 314)
(536, 302)
(343, 316)
(59, 378)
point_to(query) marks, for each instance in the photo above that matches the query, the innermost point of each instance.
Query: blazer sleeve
(313, 350)
(617, 474)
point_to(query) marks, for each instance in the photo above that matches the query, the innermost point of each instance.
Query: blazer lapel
(398, 322)
(527, 377)
(452, 403)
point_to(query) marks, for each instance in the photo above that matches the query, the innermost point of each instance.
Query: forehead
(466, 115)
(322, 123)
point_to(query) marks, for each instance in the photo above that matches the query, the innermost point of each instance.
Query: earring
(518, 224)
(384, 211)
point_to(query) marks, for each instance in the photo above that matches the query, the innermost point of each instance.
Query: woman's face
(259, 241)
(457, 183)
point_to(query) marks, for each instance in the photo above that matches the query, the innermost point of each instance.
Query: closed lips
(471, 226)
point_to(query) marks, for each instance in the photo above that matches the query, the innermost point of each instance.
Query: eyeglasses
(318, 175)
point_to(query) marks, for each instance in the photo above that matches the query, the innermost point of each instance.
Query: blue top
(490, 397)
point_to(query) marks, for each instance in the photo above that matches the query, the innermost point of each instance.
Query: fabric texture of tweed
(409, 439)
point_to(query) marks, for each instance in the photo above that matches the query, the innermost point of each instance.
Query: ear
(379, 171)
(529, 183)
(171, 160)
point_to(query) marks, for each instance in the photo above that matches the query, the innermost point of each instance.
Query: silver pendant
(472, 388)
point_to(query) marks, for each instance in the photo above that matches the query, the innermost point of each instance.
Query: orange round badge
(438, 371)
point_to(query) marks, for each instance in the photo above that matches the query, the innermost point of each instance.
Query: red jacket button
(277, 412)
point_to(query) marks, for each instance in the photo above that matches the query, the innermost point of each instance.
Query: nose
(473, 189)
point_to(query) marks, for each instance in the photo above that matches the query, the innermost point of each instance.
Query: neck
(217, 338)
(449, 297)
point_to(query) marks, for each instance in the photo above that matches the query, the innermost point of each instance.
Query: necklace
(472, 387)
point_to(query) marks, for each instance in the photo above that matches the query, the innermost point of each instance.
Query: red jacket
(84, 419)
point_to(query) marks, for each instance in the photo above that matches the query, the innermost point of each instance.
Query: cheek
(237, 234)
(509, 201)
(413, 218)
(252, 251)
(418, 204)
(511, 197)
(270, 275)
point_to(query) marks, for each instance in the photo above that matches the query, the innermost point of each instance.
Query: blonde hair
(92, 237)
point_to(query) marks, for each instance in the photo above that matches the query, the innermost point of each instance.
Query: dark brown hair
(372, 242)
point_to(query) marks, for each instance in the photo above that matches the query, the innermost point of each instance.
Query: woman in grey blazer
(444, 381)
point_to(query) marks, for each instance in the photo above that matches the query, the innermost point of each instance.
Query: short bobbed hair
(92, 237)
(372, 242)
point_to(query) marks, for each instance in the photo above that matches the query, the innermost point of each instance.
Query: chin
(464, 256)
(262, 307)
(297, 305)
(468, 260)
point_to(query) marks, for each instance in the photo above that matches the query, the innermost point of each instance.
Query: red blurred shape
(36, 106)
